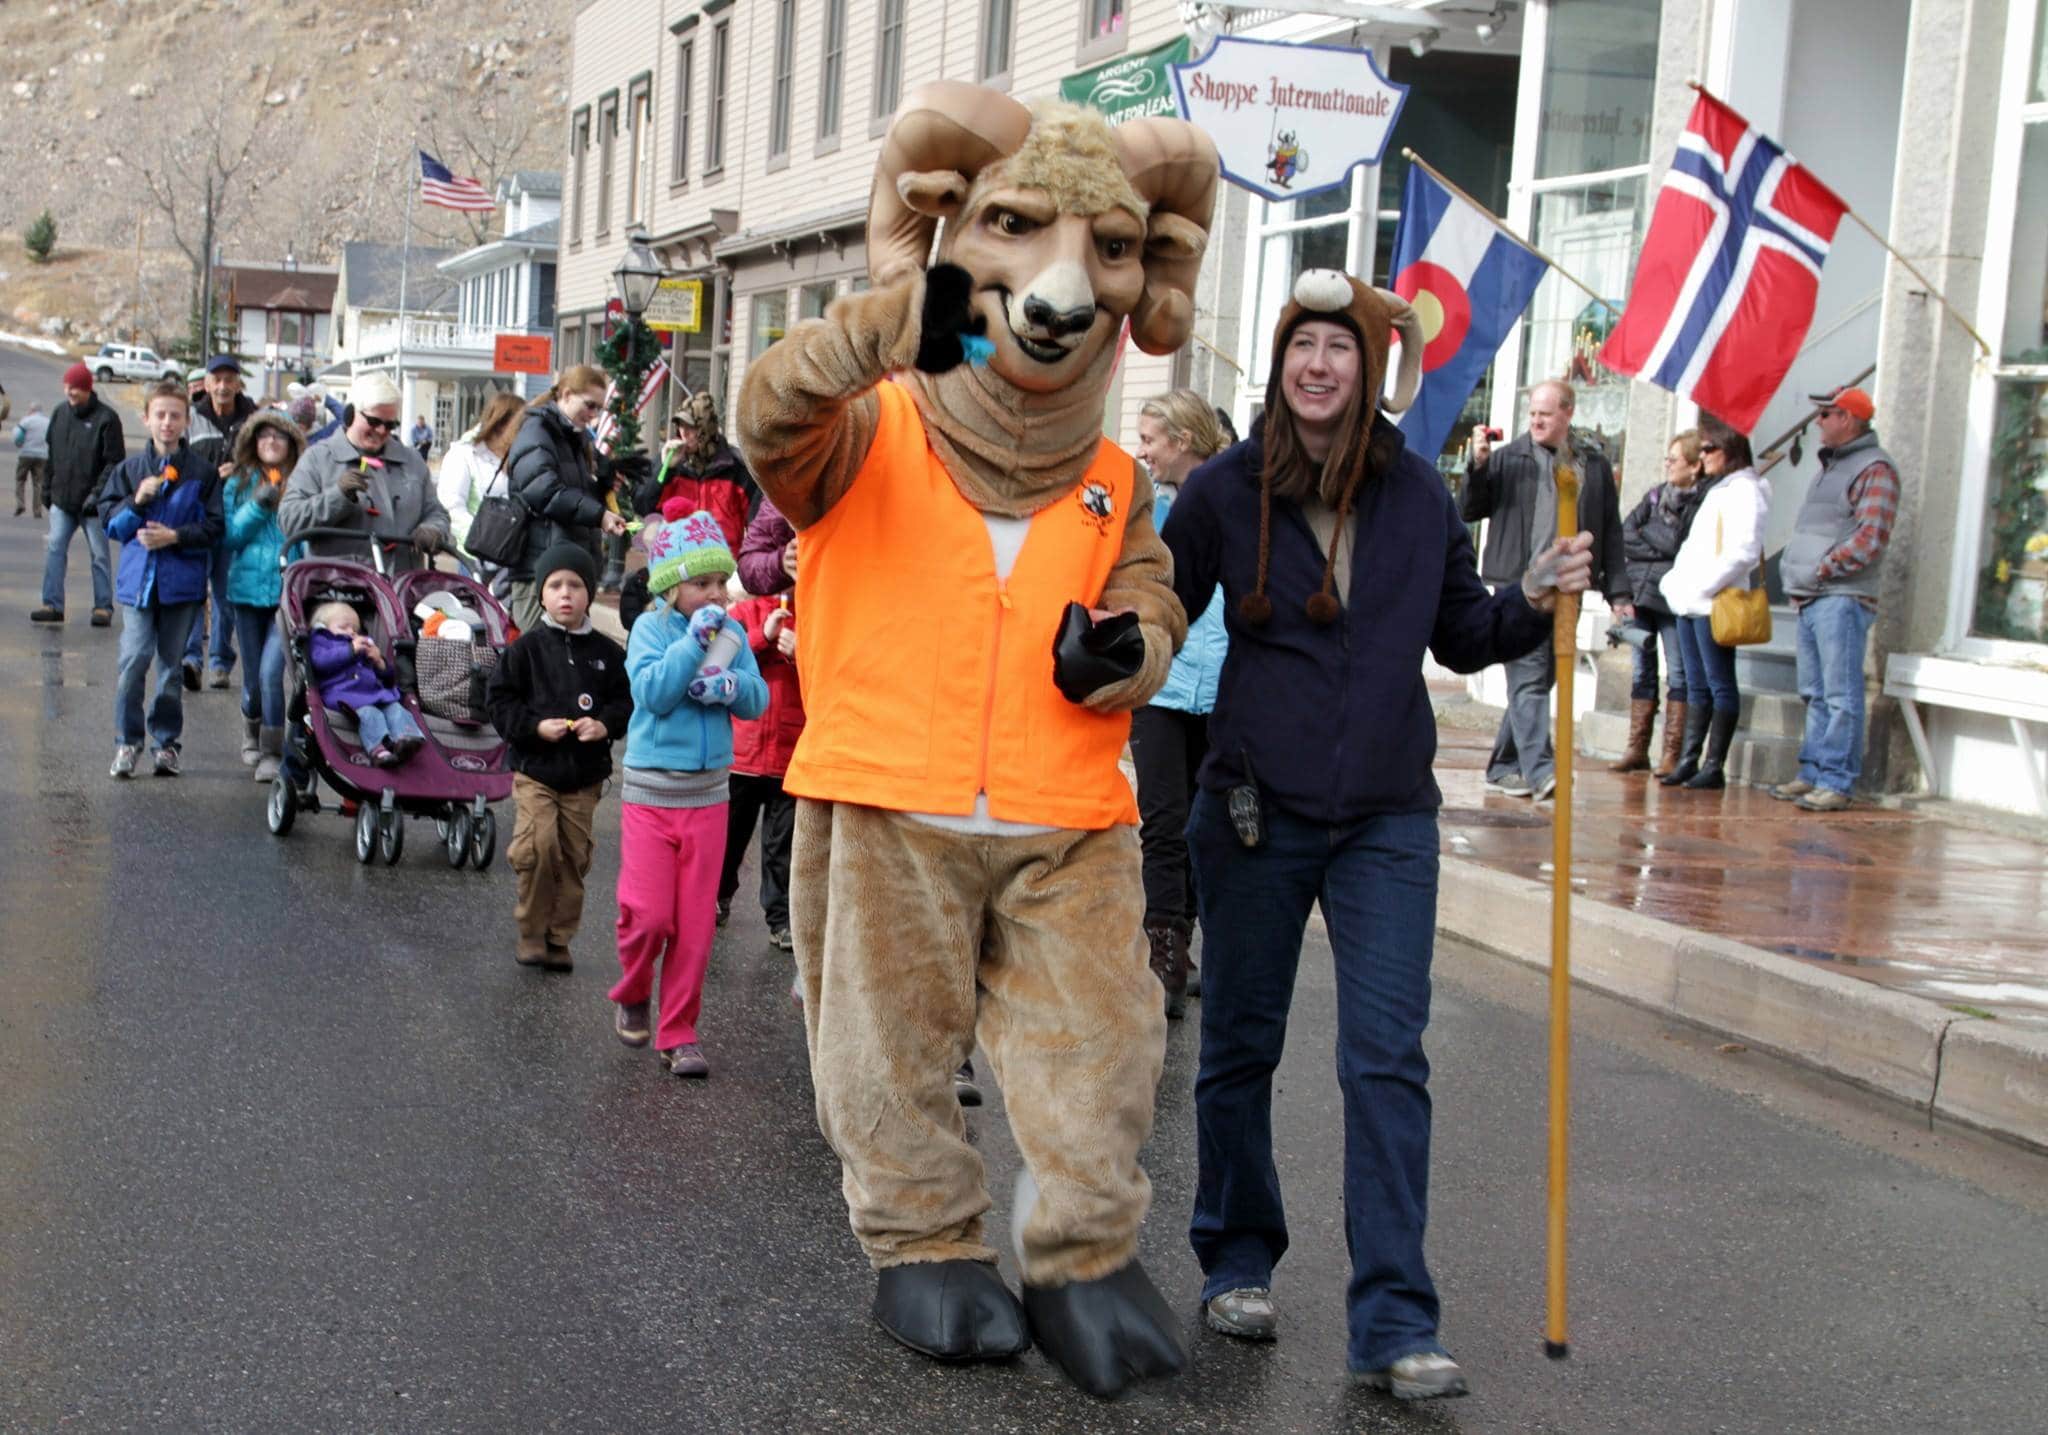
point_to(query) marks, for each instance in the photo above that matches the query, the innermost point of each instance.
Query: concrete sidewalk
(1901, 951)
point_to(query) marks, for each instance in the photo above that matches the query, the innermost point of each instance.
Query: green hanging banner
(1130, 88)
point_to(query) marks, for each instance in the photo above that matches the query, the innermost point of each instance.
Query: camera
(1495, 435)
(1629, 631)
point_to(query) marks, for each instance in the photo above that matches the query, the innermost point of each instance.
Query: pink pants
(669, 860)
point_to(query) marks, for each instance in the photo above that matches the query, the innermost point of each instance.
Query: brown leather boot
(1674, 735)
(1642, 713)
(1168, 960)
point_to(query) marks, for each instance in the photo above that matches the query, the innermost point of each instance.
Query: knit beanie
(571, 556)
(689, 547)
(78, 376)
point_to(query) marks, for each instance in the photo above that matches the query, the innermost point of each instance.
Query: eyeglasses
(383, 425)
(1710, 448)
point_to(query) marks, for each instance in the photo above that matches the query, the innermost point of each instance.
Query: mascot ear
(944, 135)
(1173, 167)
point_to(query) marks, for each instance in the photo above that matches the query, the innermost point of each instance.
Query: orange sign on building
(523, 354)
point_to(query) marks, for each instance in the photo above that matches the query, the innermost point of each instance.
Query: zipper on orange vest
(988, 707)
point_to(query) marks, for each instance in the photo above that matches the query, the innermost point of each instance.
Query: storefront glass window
(813, 298)
(771, 321)
(2013, 580)
(1599, 79)
(1593, 231)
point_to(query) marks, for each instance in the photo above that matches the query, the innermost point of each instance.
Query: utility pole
(206, 280)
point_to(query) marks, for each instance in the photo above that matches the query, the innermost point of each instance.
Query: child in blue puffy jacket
(163, 507)
(266, 451)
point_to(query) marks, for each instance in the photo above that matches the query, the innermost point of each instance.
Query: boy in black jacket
(560, 697)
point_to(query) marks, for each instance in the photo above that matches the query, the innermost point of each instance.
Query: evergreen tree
(40, 237)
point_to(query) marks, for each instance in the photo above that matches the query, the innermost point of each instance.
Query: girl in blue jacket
(672, 816)
(266, 451)
(163, 506)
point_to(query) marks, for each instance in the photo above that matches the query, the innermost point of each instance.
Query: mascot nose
(1058, 322)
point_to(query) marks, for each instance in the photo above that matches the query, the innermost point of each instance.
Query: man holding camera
(1515, 488)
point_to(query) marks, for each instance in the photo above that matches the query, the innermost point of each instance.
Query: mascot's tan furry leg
(1073, 1024)
(886, 914)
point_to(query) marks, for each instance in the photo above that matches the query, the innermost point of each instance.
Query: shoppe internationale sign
(1289, 120)
(1130, 88)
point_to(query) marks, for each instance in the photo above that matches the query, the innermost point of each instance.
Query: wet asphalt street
(291, 1144)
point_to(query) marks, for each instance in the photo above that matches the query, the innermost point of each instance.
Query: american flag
(439, 186)
(1725, 288)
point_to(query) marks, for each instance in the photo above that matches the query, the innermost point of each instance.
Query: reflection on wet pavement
(1945, 912)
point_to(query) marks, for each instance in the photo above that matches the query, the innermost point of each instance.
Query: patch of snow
(42, 346)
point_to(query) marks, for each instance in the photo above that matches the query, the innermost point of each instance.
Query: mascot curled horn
(985, 602)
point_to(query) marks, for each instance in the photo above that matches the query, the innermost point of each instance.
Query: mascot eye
(1115, 248)
(1009, 222)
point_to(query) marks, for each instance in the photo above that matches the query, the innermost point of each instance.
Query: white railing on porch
(431, 336)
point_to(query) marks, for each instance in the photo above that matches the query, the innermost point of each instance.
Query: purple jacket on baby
(344, 678)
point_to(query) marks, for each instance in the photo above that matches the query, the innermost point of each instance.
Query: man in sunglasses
(362, 477)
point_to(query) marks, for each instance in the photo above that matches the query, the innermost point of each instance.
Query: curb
(1985, 1074)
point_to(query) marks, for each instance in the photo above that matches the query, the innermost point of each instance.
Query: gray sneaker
(686, 1060)
(1510, 786)
(166, 762)
(630, 1022)
(1546, 788)
(1247, 1313)
(124, 760)
(1790, 791)
(1425, 1375)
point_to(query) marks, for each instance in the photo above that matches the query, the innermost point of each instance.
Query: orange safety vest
(926, 679)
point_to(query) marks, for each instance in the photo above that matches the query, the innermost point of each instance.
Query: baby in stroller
(353, 675)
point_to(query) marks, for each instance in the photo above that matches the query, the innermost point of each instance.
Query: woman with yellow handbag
(1715, 587)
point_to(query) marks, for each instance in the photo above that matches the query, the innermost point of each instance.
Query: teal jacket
(255, 543)
(1191, 682)
(670, 730)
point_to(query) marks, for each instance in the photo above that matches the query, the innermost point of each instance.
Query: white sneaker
(1509, 786)
(1426, 1375)
(124, 760)
(167, 762)
(1545, 788)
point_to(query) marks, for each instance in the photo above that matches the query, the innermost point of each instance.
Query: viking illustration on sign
(1285, 159)
(966, 863)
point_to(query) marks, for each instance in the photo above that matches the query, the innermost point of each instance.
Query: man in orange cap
(1831, 568)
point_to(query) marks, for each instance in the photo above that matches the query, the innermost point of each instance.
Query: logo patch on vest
(1099, 504)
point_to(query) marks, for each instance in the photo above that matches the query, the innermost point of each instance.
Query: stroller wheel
(366, 833)
(455, 837)
(483, 842)
(283, 806)
(391, 836)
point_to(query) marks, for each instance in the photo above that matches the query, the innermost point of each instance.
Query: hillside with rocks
(326, 101)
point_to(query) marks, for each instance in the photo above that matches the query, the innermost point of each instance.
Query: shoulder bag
(1742, 616)
(497, 534)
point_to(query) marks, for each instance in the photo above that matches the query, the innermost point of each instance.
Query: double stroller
(462, 767)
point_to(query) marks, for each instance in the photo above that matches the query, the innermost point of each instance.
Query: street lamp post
(638, 275)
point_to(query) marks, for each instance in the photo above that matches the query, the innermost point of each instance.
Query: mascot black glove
(1087, 655)
(948, 316)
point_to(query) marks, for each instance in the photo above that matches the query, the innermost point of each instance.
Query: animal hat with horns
(1374, 316)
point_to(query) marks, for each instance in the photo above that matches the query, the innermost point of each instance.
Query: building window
(639, 103)
(714, 122)
(579, 151)
(813, 299)
(784, 80)
(544, 297)
(832, 70)
(1102, 28)
(607, 154)
(770, 321)
(998, 20)
(679, 150)
(889, 59)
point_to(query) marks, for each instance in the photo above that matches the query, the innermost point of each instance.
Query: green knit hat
(692, 547)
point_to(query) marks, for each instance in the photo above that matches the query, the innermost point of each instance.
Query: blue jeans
(57, 555)
(1377, 882)
(386, 722)
(154, 632)
(1709, 668)
(215, 639)
(262, 680)
(1832, 631)
(1644, 688)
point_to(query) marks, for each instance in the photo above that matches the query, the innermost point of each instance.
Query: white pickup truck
(129, 361)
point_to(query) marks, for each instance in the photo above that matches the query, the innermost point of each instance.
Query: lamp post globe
(638, 275)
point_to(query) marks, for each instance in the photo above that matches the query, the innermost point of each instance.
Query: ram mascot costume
(966, 857)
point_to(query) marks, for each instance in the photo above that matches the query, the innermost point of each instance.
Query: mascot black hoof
(951, 1310)
(1107, 1333)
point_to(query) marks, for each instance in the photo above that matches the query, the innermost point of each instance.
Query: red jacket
(719, 490)
(762, 747)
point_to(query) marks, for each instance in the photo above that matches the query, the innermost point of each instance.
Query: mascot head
(1068, 227)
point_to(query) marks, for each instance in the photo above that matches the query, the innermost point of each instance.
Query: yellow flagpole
(1564, 646)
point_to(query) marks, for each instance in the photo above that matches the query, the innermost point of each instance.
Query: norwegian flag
(440, 186)
(1724, 290)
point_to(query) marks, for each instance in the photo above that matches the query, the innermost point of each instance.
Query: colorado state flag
(1468, 282)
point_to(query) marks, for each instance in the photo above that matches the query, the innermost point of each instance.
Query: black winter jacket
(84, 447)
(552, 470)
(1504, 489)
(1335, 721)
(1650, 536)
(553, 673)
